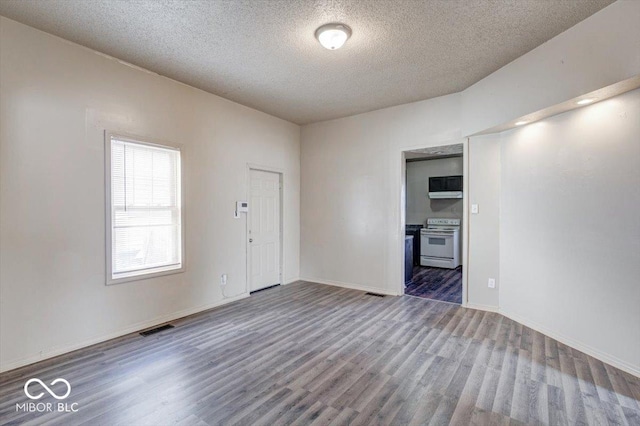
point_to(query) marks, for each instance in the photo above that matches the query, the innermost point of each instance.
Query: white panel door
(264, 229)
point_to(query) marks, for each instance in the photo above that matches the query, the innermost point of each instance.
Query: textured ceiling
(263, 54)
(435, 152)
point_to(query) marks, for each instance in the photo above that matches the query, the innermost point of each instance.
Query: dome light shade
(333, 36)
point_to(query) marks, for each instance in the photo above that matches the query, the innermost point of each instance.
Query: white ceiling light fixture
(333, 36)
(521, 123)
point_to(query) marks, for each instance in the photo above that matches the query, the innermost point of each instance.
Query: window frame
(154, 272)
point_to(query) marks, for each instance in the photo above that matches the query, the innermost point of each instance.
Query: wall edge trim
(575, 344)
(479, 307)
(23, 362)
(349, 286)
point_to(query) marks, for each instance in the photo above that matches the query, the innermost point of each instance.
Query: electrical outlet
(492, 283)
(223, 279)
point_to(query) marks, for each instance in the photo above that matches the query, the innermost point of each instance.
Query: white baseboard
(291, 281)
(604, 357)
(479, 307)
(350, 286)
(611, 360)
(12, 365)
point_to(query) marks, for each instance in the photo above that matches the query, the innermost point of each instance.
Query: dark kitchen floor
(436, 283)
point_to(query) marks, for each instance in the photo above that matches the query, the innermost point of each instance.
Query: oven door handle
(439, 234)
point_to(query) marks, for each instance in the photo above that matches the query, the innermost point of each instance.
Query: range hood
(445, 194)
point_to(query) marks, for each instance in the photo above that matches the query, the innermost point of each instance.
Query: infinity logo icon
(52, 393)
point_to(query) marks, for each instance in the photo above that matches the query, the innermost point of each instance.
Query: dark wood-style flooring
(436, 283)
(314, 354)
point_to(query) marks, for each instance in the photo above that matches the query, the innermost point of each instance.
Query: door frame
(280, 173)
(465, 212)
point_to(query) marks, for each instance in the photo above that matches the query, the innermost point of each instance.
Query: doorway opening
(264, 229)
(434, 223)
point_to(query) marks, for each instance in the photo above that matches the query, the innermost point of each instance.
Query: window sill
(144, 276)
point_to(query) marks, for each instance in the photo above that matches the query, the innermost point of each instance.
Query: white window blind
(146, 214)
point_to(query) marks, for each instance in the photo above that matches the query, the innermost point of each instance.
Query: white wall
(352, 180)
(352, 172)
(56, 98)
(484, 227)
(419, 206)
(570, 228)
(599, 51)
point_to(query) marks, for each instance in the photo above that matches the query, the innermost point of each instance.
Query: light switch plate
(475, 209)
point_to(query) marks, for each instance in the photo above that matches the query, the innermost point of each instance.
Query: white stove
(440, 243)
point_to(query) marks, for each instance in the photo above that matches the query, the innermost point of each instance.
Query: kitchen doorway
(434, 217)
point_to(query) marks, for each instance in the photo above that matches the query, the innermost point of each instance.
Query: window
(144, 210)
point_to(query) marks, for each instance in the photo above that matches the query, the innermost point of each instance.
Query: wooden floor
(436, 283)
(309, 353)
